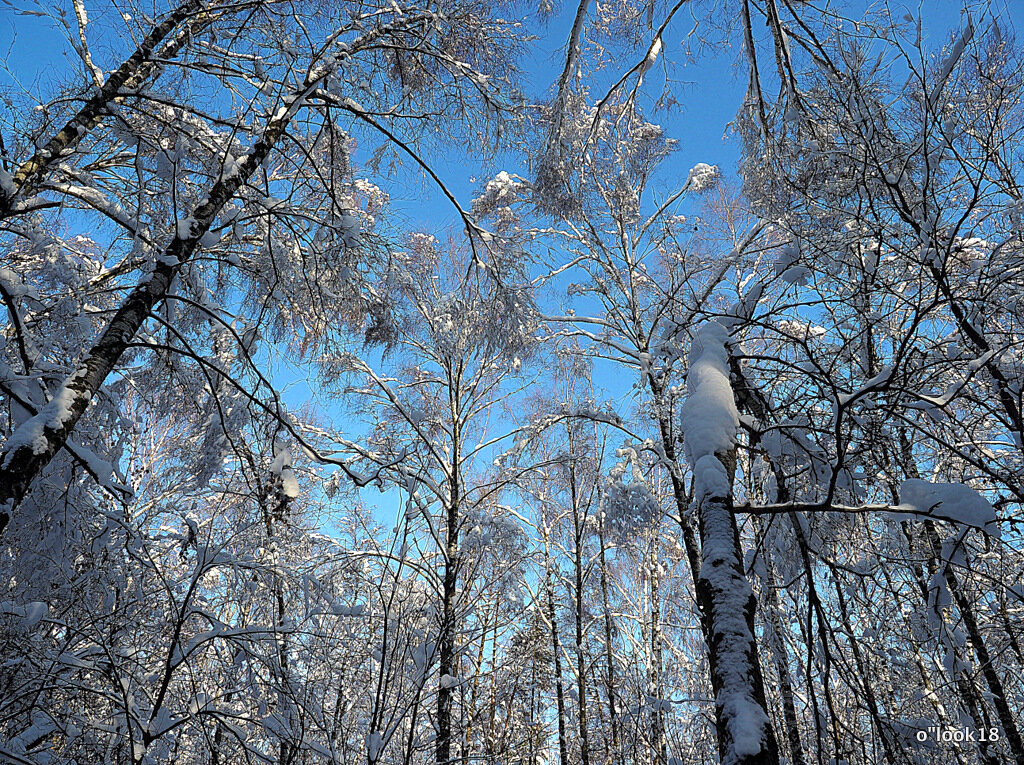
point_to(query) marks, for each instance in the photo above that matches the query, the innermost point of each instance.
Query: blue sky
(709, 89)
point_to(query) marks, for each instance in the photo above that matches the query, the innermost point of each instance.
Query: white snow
(878, 380)
(702, 176)
(448, 681)
(652, 55)
(14, 285)
(709, 478)
(801, 330)
(340, 609)
(350, 227)
(30, 613)
(374, 743)
(209, 239)
(282, 466)
(628, 506)
(710, 419)
(747, 723)
(949, 63)
(786, 265)
(710, 423)
(7, 184)
(954, 502)
(52, 416)
(183, 229)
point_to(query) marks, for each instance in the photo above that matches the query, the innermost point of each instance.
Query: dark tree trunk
(445, 694)
(556, 649)
(613, 716)
(139, 67)
(796, 749)
(31, 447)
(728, 603)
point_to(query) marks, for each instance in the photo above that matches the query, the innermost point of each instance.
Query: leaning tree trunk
(137, 69)
(30, 448)
(726, 600)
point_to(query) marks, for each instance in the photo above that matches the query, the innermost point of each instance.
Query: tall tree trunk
(579, 597)
(745, 735)
(773, 610)
(446, 651)
(997, 693)
(970, 699)
(274, 504)
(556, 649)
(865, 677)
(710, 422)
(613, 716)
(659, 746)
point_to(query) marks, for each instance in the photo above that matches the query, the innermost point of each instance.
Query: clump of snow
(801, 330)
(954, 502)
(628, 506)
(710, 419)
(13, 284)
(33, 432)
(1014, 211)
(340, 609)
(875, 382)
(209, 239)
(374, 743)
(702, 176)
(498, 196)
(282, 467)
(652, 56)
(349, 228)
(448, 681)
(710, 423)
(30, 433)
(787, 268)
(7, 184)
(183, 229)
(709, 478)
(744, 308)
(747, 724)
(947, 65)
(30, 614)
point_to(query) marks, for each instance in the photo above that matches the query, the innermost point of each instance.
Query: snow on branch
(710, 425)
(949, 63)
(949, 502)
(710, 419)
(702, 176)
(954, 502)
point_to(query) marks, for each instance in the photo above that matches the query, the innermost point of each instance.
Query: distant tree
(436, 427)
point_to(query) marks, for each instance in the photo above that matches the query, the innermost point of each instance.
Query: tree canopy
(313, 452)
